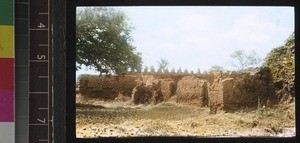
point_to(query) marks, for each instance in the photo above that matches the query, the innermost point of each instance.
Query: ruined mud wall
(215, 94)
(240, 91)
(227, 92)
(107, 88)
(192, 90)
(184, 89)
(154, 89)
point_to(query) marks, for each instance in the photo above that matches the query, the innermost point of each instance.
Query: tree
(198, 71)
(192, 72)
(152, 69)
(179, 70)
(186, 71)
(243, 60)
(173, 70)
(146, 69)
(103, 41)
(166, 71)
(216, 68)
(162, 65)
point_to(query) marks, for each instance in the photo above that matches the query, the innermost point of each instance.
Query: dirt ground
(124, 119)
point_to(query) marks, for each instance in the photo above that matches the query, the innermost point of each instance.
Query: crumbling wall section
(215, 95)
(229, 92)
(107, 88)
(240, 91)
(192, 90)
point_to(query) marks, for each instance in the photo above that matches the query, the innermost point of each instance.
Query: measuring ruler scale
(40, 72)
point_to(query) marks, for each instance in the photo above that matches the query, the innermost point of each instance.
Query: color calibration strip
(7, 119)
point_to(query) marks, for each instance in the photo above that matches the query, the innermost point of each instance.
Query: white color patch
(7, 132)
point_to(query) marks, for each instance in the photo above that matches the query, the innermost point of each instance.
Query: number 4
(41, 25)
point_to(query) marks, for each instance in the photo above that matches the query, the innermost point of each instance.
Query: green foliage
(281, 61)
(283, 55)
(103, 41)
(242, 60)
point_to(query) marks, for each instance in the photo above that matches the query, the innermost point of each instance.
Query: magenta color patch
(6, 106)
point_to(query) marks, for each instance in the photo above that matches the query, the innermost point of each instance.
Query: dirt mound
(192, 90)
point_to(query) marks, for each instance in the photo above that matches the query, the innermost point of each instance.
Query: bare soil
(96, 118)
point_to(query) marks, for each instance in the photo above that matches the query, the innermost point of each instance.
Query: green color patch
(6, 12)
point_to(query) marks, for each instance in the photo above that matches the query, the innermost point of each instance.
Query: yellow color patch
(6, 41)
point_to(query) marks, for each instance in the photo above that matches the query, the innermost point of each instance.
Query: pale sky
(199, 36)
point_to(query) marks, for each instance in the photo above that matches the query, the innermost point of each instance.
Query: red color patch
(6, 106)
(6, 74)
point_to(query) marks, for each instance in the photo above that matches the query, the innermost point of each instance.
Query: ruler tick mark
(18, 35)
(38, 124)
(38, 92)
(21, 18)
(21, 2)
(43, 140)
(33, 29)
(38, 61)
(43, 13)
(43, 45)
(43, 76)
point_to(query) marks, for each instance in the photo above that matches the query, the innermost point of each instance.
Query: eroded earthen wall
(240, 91)
(227, 92)
(192, 90)
(107, 88)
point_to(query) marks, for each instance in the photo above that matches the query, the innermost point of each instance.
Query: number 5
(41, 57)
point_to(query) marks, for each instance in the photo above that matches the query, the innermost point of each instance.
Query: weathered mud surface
(124, 119)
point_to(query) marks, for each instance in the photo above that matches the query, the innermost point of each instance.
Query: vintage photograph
(185, 71)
